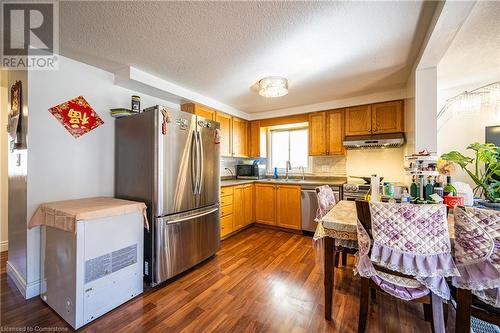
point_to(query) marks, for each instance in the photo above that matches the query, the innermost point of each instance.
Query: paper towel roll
(375, 188)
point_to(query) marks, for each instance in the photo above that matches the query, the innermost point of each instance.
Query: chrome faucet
(287, 168)
(303, 172)
(230, 171)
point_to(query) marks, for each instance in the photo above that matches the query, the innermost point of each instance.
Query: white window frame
(295, 169)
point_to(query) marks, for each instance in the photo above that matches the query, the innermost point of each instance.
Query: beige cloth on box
(64, 214)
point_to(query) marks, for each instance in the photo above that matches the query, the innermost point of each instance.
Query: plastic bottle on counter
(276, 173)
(405, 197)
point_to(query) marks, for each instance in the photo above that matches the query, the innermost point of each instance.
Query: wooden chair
(367, 284)
(475, 251)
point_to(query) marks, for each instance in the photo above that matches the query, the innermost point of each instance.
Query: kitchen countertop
(332, 181)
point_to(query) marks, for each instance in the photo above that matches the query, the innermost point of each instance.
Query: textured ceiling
(328, 50)
(473, 58)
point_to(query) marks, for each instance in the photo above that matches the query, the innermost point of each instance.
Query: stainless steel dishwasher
(309, 205)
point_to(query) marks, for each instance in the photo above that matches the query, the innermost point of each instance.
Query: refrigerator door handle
(194, 173)
(200, 168)
(192, 217)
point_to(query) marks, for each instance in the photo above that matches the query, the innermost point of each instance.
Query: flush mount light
(273, 86)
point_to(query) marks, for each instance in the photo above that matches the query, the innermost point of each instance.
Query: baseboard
(4, 246)
(27, 290)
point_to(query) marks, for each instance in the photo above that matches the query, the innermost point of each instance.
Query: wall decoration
(77, 116)
(16, 105)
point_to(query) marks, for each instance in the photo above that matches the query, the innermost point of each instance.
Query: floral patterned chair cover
(326, 200)
(410, 239)
(477, 252)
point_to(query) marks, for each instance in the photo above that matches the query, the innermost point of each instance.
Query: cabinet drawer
(226, 191)
(226, 210)
(226, 225)
(226, 200)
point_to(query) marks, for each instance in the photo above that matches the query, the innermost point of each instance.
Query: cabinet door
(254, 139)
(225, 128)
(238, 208)
(240, 137)
(226, 225)
(335, 132)
(288, 207)
(388, 117)
(199, 110)
(317, 133)
(358, 120)
(248, 196)
(265, 202)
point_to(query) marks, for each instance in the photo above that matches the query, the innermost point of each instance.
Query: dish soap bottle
(429, 189)
(413, 188)
(275, 173)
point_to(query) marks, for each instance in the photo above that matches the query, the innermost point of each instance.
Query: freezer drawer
(183, 240)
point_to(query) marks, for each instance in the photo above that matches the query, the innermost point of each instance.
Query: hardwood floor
(261, 280)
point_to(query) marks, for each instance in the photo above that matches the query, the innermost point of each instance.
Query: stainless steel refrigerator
(169, 159)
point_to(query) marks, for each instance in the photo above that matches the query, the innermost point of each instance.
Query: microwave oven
(250, 171)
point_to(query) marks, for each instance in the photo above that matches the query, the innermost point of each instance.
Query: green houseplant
(483, 169)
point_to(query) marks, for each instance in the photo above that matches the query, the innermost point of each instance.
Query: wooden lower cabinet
(248, 203)
(288, 207)
(237, 207)
(226, 225)
(278, 205)
(265, 202)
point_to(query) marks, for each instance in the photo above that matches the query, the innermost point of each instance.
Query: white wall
(426, 109)
(4, 222)
(61, 167)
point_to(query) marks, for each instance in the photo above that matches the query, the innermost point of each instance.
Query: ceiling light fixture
(273, 86)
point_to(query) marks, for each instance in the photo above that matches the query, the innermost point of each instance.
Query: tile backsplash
(231, 162)
(334, 166)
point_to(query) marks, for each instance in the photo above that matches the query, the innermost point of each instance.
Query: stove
(354, 192)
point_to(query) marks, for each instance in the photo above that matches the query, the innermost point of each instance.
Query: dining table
(339, 226)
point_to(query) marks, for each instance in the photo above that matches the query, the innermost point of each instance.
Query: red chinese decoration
(77, 116)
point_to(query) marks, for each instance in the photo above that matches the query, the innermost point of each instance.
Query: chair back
(364, 215)
(326, 200)
(477, 252)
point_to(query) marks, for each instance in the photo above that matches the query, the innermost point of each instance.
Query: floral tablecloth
(340, 223)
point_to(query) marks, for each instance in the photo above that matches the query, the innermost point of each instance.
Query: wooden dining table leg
(328, 278)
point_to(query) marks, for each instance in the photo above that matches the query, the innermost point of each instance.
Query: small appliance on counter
(251, 171)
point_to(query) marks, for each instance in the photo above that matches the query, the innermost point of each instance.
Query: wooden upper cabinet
(335, 132)
(265, 202)
(240, 137)
(199, 110)
(358, 120)
(254, 139)
(387, 117)
(288, 207)
(317, 134)
(225, 127)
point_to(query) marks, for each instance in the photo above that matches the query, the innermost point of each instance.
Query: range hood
(374, 141)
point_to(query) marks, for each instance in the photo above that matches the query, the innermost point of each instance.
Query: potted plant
(483, 169)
